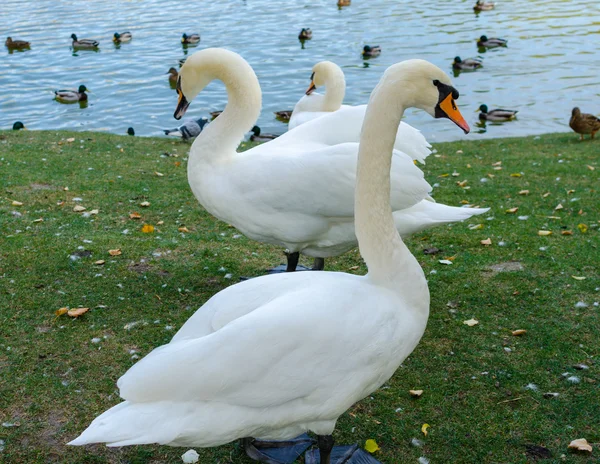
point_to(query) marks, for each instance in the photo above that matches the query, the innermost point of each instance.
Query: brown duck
(584, 123)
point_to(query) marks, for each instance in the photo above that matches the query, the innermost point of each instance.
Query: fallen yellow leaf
(16, 203)
(471, 322)
(498, 163)
(566, 232)
(177, 163)
(578, 277)
(415, 393)
(371, 446)
(581, 444)
(519, 332)
(145, 204)
(486, 242)
(516, 174)
(160, 223)
(38, 220)
(444, 175)
(94, 211)
(591, 168)
(71, 139)
(468, 165)
(353, 268)
(455, 174)
(524, 192)
(135, 216)
(498, 168)
(569, 192)
(545, 194)
(77, 312)
(66, 189)
(475, 226)
(78, 208)
(424, 428)
(512, 210)
(543, 233)
(183, 229)
(559, 206)
(115, 252)
(61, 311)
(583, 228)
(147, 228)
(159, 174)
(462, 183)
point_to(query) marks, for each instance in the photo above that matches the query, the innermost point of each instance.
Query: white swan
(282, 354)
(346, 127)
(295, 191)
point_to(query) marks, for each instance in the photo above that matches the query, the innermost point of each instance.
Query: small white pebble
(416, 442)
(543, 248)
(222, 269)
(484, 179)
(65, 383)
(433, 271)
(531, 386)
(168, 327)
(399, 410)
(96, 340)
(501, 243)
(581, 304)
(190, 457)
(77, 199)
(125, 231)
(228, 276)
(423, 460)
(507, 349)
(523, 218)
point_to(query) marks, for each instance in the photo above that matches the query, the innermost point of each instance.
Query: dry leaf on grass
(135, 216)
(578, 277)
(424, 428)
(471, 322)
(512, 210)
(183, 229)
(115, 252)
(38, 220)
(519, 332)
(475, 226)
(524, 192)
(558, 207)
(487, 241)
(71, 139)
(462, 183)
(566, 232)
(160, 223)
(581, 444)
(498, 163)
(61, 311)
(371, 446)
(545, 194)
(16, 203)
(147, 228)
(78, 208)
(591, 168)
(159, 174)
(583, 228)
(76, 312)
(145, 204)
(415, 393)
(516, 174)
(445, 261)
(94, 211)
(353, 268)
(543, 233)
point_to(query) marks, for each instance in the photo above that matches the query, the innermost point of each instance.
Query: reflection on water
(550, 65)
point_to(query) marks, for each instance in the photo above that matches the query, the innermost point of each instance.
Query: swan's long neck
(335, 89)
(223, 135)
(389, 261)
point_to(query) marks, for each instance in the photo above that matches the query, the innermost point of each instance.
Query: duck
(468, 64)
(283, 115)
(72, 96)
(314, 218)
(130, 131)
(258, 136)
(16, 44)
(83, 44)
(492, 42)
(18, 126)
(347, 124)
(305, 34)
(341, 3)
(189, 129)
(122, 37)
(482, 5)
(497, 115)
(173, 75)
(371, 51)
(283, 354)
(584, 123)
(190, 39)
(214, 114)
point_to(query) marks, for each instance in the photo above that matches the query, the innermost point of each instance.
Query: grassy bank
(483, 387)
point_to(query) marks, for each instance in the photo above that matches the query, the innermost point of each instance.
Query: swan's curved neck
(223, 135)
(389, 261)
(335, 89)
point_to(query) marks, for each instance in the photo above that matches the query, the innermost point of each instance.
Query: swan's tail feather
(426, 214)
(130, 424)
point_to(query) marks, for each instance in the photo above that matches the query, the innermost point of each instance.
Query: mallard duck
(84, 43)
(283, 116)
(284, 354)
(492, 42)
(468, 64)
(482, 5)
(370, 51)
(497, 115)
(190, 39)
(584, 123)
(189, 129)
(71, 96)
(257, 136)
(343, 3)
(305, 34)
(173, 74)
(214, 114)
(130, 131)
(19, 125)
(16, 44)
(123, 37)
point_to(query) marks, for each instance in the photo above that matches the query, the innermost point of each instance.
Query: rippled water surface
(551, 64)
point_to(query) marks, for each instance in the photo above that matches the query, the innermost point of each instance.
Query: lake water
(551, 64)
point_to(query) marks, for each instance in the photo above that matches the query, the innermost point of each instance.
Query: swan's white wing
(319, 182)
(274, 354)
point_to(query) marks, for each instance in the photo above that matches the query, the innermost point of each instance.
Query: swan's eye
(455, 94)
(436, 82)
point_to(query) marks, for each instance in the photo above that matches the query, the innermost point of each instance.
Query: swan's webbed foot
(292, 264)
(277, 452)
(340, 455)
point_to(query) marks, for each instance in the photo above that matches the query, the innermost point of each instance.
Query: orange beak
(448, 106)
(311, 88)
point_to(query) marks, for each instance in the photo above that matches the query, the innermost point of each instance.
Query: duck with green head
(468, 64)
(305, 34)
(370, 51)
(257, 136)
(190, 39)
(71, 96)
(84, 44)
(19, 125)
(482, 5)
(496, 115)
(122, 37)
(492, 42)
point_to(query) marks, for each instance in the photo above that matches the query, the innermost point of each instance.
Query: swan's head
(423, 85)
(205, 66)
(324, 73)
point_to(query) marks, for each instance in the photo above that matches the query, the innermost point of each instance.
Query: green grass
(54, 380)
